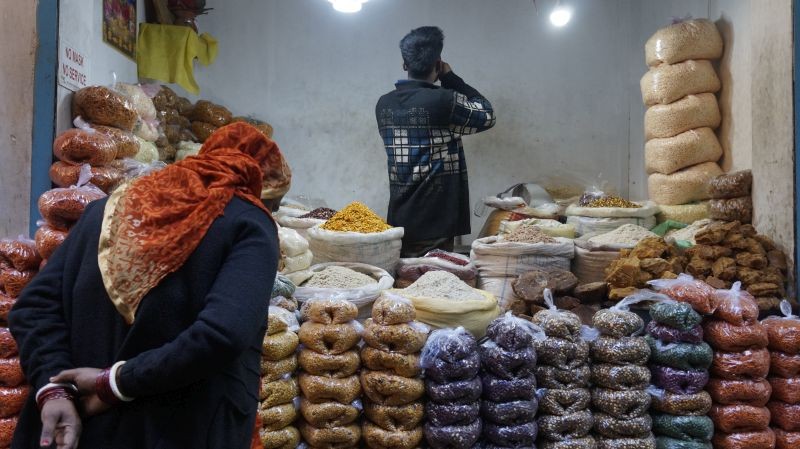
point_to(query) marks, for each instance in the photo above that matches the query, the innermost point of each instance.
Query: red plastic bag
(79, 146)
(784, 365)
(12, 400)
(724, 336)
(786, 390)
(686, 289)
(784, 332)
(739, 418)
(752, 364)
(48, 239)
(755, 393)
(8, 346)
(786, 440)
(14, 281)
(62, 207)
(11, 373)
(65, 175)
(20, 253)
(785, 416)
(764, 439)
(736, 306)
(103, 106)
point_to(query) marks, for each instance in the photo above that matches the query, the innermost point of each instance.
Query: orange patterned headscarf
(153, 224)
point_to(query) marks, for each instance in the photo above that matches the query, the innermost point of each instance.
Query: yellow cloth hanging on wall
(167, 53)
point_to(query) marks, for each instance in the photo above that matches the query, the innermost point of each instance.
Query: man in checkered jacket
(421, 125)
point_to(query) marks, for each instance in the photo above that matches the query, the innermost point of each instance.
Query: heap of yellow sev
(356, 217)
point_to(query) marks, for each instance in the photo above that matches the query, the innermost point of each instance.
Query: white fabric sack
(381, 249)
(508, 203)
(591, 259)
(511, 259)
(363, 297)
(591, 225)
(297, 263)
(501, 287)
(301, 225)
(292, 244)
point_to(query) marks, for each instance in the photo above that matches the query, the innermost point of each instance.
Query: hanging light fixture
(348, 6)
(561, 15)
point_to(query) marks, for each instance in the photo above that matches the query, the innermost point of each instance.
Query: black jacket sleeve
(471, 112)
(233, 317)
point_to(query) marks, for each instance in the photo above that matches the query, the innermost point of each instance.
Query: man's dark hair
(421, 48)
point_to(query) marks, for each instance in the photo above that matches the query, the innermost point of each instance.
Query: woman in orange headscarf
(149, 319)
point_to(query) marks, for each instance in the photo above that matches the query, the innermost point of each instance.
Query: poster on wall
(119, 25)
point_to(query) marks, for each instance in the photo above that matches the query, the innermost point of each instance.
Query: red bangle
(103, 389)
(53, 393)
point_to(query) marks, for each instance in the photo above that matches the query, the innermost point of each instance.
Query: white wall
(561, 96)
(80, 23)
(18, 34)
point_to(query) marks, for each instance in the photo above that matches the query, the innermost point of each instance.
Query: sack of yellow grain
(689, 39)
(668, 83)
(670, 154)
(684, 186)
(691, 112)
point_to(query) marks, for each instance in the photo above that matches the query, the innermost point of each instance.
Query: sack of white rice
(671, 154)
(684, 213)
(690, 39)
(684, 186)
(668, 83)
(691, 112)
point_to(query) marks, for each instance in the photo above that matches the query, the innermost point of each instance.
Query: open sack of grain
(592, 220)
(356, 234)
(595, 252)
(500, 260)
(553, 228)
(442, 300)
(411, 269)
(358, 283)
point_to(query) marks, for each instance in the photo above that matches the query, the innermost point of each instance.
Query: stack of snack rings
(330, 401)
(621, 418)
(19, 262)
(565, 419)
(679, 363)
(391, 375)
(738, 385)
(453, 386)
(277, 410)
(509, 402)
(784, 343)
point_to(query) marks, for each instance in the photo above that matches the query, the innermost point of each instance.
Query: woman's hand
(84, 379)
(60, 423)
(92, 405)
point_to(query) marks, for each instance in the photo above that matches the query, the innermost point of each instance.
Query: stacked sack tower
(563, 374)
(679, 363)
(620, 397)
(330, 402)
(784, 344)
(509, 402)
(453, 385)
(738, 384)
(277, 409)
(681, 149)
(19, 262)
(391, 376)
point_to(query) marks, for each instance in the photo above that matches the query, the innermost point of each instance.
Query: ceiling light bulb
(348, 6)
(560, 16)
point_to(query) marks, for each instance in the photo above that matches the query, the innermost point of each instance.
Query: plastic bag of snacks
(784, 332)
(203, 130)
(558, 323)
(208, 112)
(683, 186)
(739, 418)
(697, 404)
(148, 153)
(735, 306)
(731, 185)
(669, 334)
(19, 253)
(84, 146)
(668, 83)
(679, 381)
(690, 112)
(686, 289)
(124, 141)
(735, 209)
(786, 389)
(684, 428)
(754, 392)
(139, 100)
(727, 337)
(62, 207)
(764, 439)
(105, 178)
(670, 154)
(131, 168)
(147, 130)
(102, 106)
(784, 365)
(677, 315)
(735, 365)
